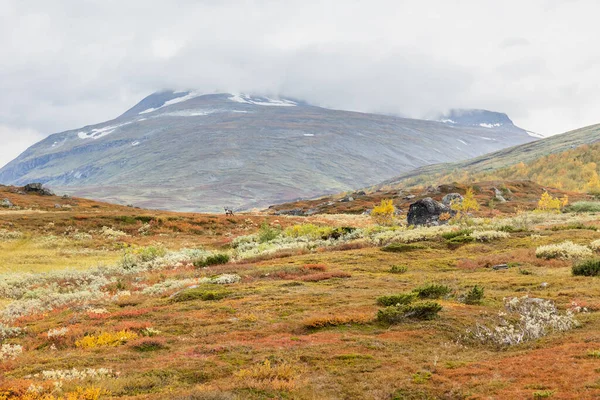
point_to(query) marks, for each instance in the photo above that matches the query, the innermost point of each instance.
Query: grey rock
(427, 212)
(452, 198)
(57, 206)
(6, 203)
(409, 197)
(346, 199)
(499, 266)
(498, 195)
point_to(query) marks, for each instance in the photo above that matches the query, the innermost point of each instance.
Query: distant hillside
(566, 161)
(192, 152)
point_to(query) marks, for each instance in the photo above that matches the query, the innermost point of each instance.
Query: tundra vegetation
(103, 301)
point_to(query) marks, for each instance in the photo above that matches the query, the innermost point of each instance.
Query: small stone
(500, 266)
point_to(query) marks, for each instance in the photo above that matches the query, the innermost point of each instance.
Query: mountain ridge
(198, 152)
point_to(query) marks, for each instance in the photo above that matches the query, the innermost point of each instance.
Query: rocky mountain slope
(192, 152)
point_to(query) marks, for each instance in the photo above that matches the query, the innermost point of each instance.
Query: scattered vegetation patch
(395, 300)
(106, 339)
(525, 319)
(565, 250)
(199, 294)
(402, 247)
(148, 344)
(488, 236)
(216, 259)
(268, 376)
(456, 233)
(398, 269)
(424, 310)
(590, 267)
(324, 276)
(324, 321)
(584, 207)
(474, 296)
(432, 291)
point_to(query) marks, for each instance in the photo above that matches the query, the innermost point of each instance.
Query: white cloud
(67, 63)
(15, 141)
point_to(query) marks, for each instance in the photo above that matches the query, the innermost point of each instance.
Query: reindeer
(228, 211)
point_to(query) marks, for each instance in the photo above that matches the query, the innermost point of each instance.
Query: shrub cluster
(590, 267)
(215, 259)
(421, 310)
(432, 291)
(565, 250)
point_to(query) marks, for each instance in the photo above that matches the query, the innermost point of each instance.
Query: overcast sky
(69, 63)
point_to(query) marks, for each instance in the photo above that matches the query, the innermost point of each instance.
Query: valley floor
(191, 306)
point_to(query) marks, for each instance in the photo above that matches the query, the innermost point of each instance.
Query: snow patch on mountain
(188, 96)
(262, 101)
(97, 133)
(485, 125)
(535, 135)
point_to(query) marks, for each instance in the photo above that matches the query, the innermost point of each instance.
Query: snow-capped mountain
(480, 118)
(192, 151)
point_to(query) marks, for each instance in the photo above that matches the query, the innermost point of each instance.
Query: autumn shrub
(398, 299)
(595, 245)
(590, 267)
(432, 291)
(315, 267)
(106, 339)
(547, 203)
(424, 310)
(199, 294)
(383, 214)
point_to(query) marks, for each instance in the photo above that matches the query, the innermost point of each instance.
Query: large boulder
(38, 188)
(450, 198)
(427, 212)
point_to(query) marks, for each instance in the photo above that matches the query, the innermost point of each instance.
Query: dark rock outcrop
(427, 212)
(37, 188)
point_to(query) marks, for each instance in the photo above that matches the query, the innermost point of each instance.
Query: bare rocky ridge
(190, 152)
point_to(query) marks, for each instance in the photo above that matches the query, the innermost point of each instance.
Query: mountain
(564, 157)
(193, 152)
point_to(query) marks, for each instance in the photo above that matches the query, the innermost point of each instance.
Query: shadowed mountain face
(190, 152)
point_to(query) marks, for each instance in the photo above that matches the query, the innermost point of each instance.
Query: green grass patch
(215, 259)
(402, 247)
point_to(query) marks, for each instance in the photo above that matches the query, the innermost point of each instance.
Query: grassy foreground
(102, 301)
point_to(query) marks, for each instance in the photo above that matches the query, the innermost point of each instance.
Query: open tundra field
(102, 301)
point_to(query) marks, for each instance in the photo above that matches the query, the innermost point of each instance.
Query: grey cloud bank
(66, 64)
